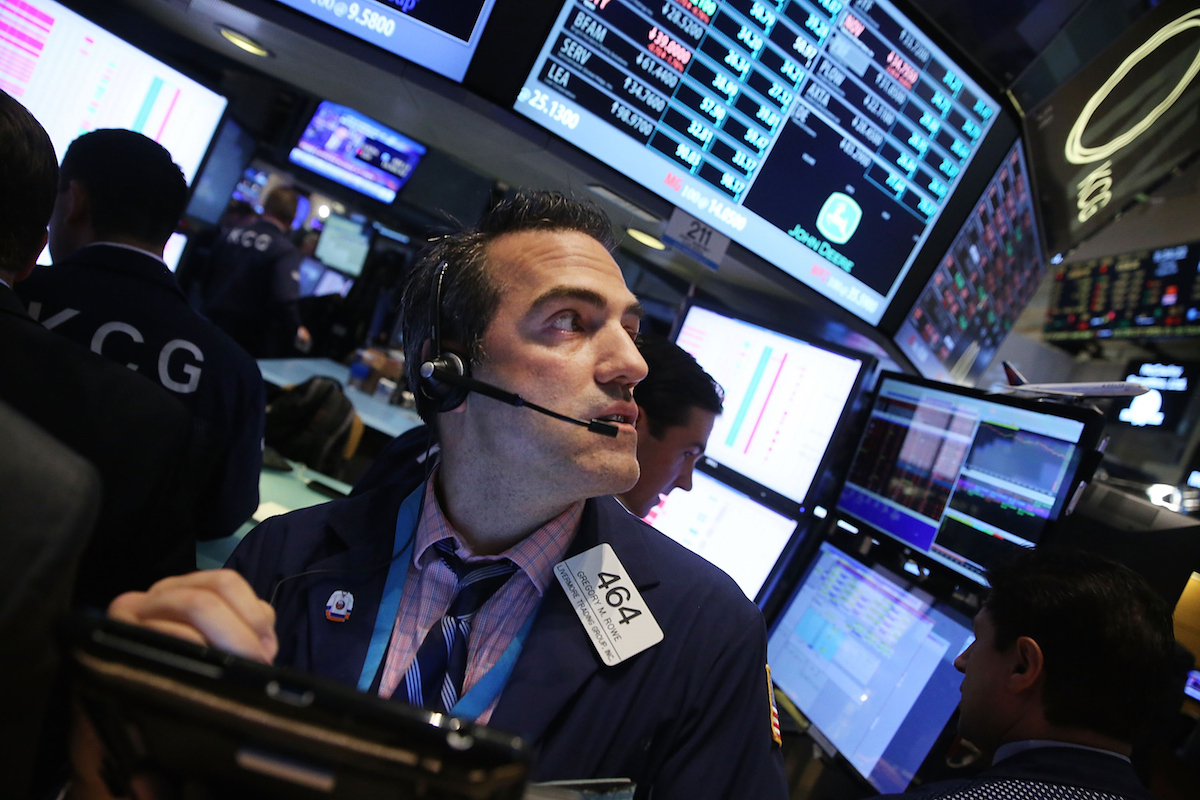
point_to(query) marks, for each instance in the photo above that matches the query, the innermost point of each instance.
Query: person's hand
(210, 607)
(303, 339)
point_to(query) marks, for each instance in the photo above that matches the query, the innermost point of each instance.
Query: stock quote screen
(827, 137)
(962, 479)
(981, 285)
(1153, 294)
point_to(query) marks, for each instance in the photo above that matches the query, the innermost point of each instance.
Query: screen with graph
(725, 526)
(870, 662)
(76, 77)
(960, 476)
(784, 399)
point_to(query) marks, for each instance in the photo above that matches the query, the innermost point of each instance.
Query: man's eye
(567, 321)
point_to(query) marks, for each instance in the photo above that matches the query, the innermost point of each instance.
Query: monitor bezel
(1090, 445)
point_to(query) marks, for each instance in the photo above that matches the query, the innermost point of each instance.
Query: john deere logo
(838, 219)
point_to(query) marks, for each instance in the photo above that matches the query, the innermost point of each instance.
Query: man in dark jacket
(1071, 652)
(252, 282)
(119, 199)
(520, 595)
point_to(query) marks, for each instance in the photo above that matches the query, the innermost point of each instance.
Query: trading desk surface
(376, 414)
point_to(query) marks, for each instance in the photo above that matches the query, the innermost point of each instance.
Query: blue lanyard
(491, 684)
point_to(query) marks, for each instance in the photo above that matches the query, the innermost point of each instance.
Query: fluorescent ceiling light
(243, 42)
(645, 238)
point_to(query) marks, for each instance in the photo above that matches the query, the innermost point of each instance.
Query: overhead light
(244, 42)
(323, 212)
(621, 202)
(645, 238)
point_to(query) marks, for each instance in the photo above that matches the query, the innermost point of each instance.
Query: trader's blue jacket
(687, 718)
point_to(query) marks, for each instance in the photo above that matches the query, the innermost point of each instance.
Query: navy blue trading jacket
(127, 306)
(687, 718)
(250, 288)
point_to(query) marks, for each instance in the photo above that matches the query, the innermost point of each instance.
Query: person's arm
(285, 294)
(234, 488)
(724, 747)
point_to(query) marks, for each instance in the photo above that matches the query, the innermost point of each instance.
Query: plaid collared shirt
(430, 584)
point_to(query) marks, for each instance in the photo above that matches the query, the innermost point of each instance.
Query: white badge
(608, 604)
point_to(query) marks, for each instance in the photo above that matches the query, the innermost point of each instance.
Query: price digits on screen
(366, 17)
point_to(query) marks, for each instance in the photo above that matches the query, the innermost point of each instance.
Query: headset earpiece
(445, 396)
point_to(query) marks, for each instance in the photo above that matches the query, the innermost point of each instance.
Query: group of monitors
(1151, 294)
(786, 402)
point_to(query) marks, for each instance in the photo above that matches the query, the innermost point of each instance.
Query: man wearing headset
(633, 659)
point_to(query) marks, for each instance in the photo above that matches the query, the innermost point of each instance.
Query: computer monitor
(318, 280)
(727, 527)
(869, 660)
(354, 150)
(785, 399)
(962, 476)
(231, 152)
(173, 251)
(344, 245)
(76, 77)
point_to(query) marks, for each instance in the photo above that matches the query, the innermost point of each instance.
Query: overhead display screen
(981, 285)
(725, 526)
(827, 137)
(76, 77)
(784, 399)
(1147, 294)
(440, 36)
(963, 479)
(357, 152)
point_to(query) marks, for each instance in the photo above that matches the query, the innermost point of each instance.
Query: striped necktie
(435, 678)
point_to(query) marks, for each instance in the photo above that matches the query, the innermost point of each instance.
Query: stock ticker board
(1148, 294)
(827, 137)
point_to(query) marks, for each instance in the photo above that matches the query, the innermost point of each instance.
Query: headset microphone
(444, 371)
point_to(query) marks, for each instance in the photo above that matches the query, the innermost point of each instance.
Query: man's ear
(1027, 665)
(78, 210)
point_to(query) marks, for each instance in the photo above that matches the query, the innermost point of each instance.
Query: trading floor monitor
(962, 476)
(869, 660)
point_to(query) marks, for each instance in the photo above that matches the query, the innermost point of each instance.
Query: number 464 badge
(608, 604)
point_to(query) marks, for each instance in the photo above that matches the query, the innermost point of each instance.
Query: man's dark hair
(470, 292)
(281, 203)
(674, 386)
(1106, 635)
(134, 188)
(28, 183)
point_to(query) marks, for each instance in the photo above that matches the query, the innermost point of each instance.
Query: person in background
(251, 286)
(119, 199)
(532, 302)
(678, 403)
(1072, 652)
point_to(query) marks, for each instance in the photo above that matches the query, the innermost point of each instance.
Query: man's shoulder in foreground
(1043, 773)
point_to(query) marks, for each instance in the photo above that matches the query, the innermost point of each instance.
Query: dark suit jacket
(688, 718)
(1044, 773)
(138, 437)
(128, 307)
(52, 497)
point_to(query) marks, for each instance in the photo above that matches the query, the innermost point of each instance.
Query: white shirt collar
(155, 256)
(1012, 748)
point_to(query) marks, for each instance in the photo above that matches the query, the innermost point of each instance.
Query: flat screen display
(173, 251)
(725, 526)
(870, 662)
(231, 152)
(1148, 294)
(439, 35)
(960, 477)
(318, 280)
(981, 285)
(343, 245)
(76, 77)
(825, 136)
(357, 152)
(1164, 406)
(784, 399)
